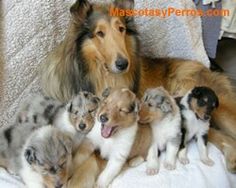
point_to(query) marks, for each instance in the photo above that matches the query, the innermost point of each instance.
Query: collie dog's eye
(150, 105)
(121, 29)
(100, 34)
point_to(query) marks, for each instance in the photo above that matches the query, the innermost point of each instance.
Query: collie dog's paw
(208, 161)
(184, 160)
(169, 166)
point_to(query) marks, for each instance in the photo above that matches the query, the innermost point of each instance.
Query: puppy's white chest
(193, 125)
(119, 144)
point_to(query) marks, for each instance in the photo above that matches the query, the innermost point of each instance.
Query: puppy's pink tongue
(106, 131)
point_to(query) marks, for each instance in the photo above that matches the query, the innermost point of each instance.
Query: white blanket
(194, 175)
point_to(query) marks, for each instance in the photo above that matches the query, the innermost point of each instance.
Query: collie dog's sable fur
(196, 109)
(160, 110)
(101, 51)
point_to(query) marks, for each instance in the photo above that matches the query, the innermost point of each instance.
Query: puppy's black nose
(121, 63)
(207, 117)
(103, 118)
(82, 126)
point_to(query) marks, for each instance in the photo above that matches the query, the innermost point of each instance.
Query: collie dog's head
(48, 153)
(156, 104)
(202, 101)
(82, 110)
(118, 110)
(102, 38)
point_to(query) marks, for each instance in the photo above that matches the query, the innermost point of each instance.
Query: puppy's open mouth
(108, 131)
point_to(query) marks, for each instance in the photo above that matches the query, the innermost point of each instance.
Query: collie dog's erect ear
(79, 10)
(124, 4)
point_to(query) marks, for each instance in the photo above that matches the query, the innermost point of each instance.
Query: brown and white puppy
(45, 158)
(114, 131)
(196, 109)
(160, 110)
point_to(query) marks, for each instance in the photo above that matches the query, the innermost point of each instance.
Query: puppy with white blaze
(160, 110)
(114, 131)
(196, 109)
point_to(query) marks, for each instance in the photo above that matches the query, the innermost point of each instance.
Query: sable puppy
(114, 131)
(45, 158)
(196, 109)
(160, 110)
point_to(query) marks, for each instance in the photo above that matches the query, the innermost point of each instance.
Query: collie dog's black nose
(103, 118)
(121, 63)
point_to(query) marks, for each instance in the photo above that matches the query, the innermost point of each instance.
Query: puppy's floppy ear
(124, 4)
(166, 105)
(106, 92)
(22, 117)
(30, 155)
(69, 106)
(79, 10)
(196, 91)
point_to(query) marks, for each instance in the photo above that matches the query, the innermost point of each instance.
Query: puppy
(78, 116)
(45, 158)
(114, 131)
(160, 110)
(196, 109)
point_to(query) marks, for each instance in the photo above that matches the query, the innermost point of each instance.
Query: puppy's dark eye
(100, 34)
(121, 29)
(90, 111)
(150, 105)
(201, 102)
(62, 165)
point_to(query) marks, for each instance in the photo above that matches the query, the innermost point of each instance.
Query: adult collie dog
(102, 51)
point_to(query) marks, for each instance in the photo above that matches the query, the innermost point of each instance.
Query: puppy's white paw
(208, 162)
(152, 171)
(169, 166)
(184, 160)
(152, 167)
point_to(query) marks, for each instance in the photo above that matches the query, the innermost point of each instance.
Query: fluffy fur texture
(46, 158)
(196, 109)
(161, 111)
(98, 45)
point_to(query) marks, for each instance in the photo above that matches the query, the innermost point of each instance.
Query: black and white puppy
(196, 109)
